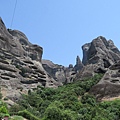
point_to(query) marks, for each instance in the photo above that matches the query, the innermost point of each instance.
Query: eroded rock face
(98, 55)
(58, 72)
(61, 73)
(20, 64)
(28, 49)
(100, 51)
(109, 85)
(85, 49)
(79, 65)
(102, 56)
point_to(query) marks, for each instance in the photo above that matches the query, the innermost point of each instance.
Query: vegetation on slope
(69, 102)
(3, 110)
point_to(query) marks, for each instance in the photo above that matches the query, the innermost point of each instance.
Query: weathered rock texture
(109, 85)
(102, 56)
(79, 65)
(61, 73)
(22, 67)
(20, 64)
(100, 51)
(98, 56)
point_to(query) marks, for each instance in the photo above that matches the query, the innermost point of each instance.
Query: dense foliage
(3, 110)
(69, 102)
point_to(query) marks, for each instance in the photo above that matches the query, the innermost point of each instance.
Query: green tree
(88, 99)
(53, 113)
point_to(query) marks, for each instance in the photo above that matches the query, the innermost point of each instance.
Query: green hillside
(69, 102)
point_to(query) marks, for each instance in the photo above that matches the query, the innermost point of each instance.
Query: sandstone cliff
(98, 56)
(20, 64)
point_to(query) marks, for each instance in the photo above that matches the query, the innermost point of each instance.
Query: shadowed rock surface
(109, 85)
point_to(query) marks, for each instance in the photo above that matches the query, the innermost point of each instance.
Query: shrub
(3, 109)
(53, 113)
(68, 115)
(15, 109)
(88, 99)
(27, 115)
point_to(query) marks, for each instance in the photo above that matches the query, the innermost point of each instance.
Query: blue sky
(61, 27)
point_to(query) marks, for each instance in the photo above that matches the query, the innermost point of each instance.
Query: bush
(15, 109)
(27, 115)
(3, 109)
(53, 113)
(68, 115)
(88, 99)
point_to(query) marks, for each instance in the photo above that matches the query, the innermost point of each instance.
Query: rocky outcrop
(58, 72)
(102, 56)
(79, 65)
(24, 47)
(98, 55)
(100, 51)
(20, 64)
(85, 49)
(61, 73)
(109, 85)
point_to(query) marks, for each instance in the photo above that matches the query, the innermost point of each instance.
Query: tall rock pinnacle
(78, 65)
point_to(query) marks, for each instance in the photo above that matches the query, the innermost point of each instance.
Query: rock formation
(98, 56)
(78, 65)
(22, 67)
(61, 73)
(102, 56)
(100, 51)
(20, 64)
(109, 85)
